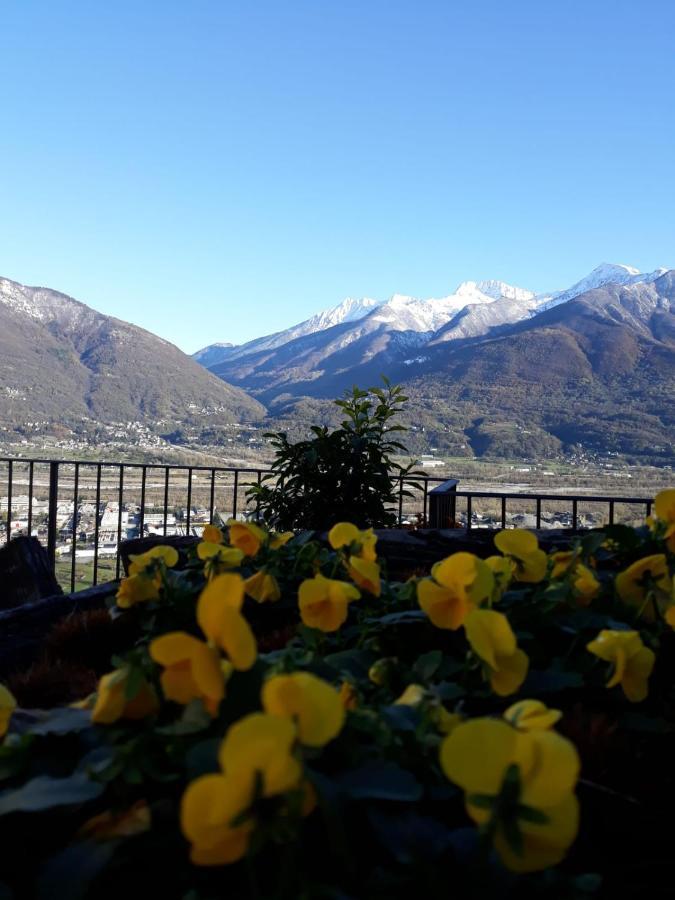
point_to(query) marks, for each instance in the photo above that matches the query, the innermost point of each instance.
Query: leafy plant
(345, 474)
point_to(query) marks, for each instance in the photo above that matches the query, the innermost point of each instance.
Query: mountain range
(61, 361)
(500, 367)
(491, 369)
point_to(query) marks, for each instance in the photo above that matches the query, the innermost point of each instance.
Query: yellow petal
(510, 673)
(136, 589)
(516, 542)
(476, 755)
(222, 595)
(173, 647)
(313, 704)
(212, 534)
(365, 574)
(343, 534)
(629, 584)
(543, 845)
(246, 536)
(490, 635)
(262, 587)
(281, 539)
(413, 695)
(237, 640)
(447, 608)
(553, 772)
(323, 602)
(532, 715)
(208, 807)
(664, 505)
(260, 745)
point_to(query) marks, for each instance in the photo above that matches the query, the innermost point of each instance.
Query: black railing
(82, 510)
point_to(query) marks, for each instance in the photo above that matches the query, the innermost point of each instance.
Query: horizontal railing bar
(427, 479)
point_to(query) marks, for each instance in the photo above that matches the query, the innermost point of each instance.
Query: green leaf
(45, 792)
(381, 780)
(549, 681)
(401, 717)
(427, 665)
(58, 721)
(68, 875)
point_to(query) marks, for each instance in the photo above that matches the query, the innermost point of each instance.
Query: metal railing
(82, 510)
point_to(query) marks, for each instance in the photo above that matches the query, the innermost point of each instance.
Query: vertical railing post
(51, 513)
(10, 478)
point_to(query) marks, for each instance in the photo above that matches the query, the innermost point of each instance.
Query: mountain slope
(599, 370)
(356, 341)
(323, 361)
(62, 361)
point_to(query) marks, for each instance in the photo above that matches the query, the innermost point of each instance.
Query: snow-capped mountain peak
(605, 273)
(350, 310)
(493, 289)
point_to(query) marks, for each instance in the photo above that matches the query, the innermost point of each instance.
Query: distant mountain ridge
(502, 369)
(331, 350)
(62, 361)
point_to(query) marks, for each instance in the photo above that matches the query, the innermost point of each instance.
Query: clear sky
(215, 170)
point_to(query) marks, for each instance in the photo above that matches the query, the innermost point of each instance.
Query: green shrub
(345, 474)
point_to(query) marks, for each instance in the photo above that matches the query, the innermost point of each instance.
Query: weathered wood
(25, 573)
(23, 629)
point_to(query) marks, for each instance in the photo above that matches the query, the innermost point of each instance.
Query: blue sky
(217, 170)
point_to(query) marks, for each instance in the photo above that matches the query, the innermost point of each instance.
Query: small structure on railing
(443, 504)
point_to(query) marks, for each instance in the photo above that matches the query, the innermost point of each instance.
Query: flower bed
(500, 727)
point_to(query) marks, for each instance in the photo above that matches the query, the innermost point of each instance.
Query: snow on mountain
(494, 289)
(606, 273)
(350, 310)
(472, 310)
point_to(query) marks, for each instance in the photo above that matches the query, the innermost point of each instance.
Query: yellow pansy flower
(519, 787)
(365, 574)
(323, 602)
(192, 669)
(247, 536)
(632, 661)
(492, 639)
(7, 707)
(521, 547)
(280, 539)
(210, 807)
(458, 584)
(503, 572)
(644, 583)
(313, 704)
(259, 748)
(262, 587)
(586, 585)
(218, 813)
(344, 534)
(158, 554)
(212, 534)
(219, 617)
(112, 703)
(532, 715)
(664, 512)
(567, 564)
(221, 556)
(413, 695)
(136, 589)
